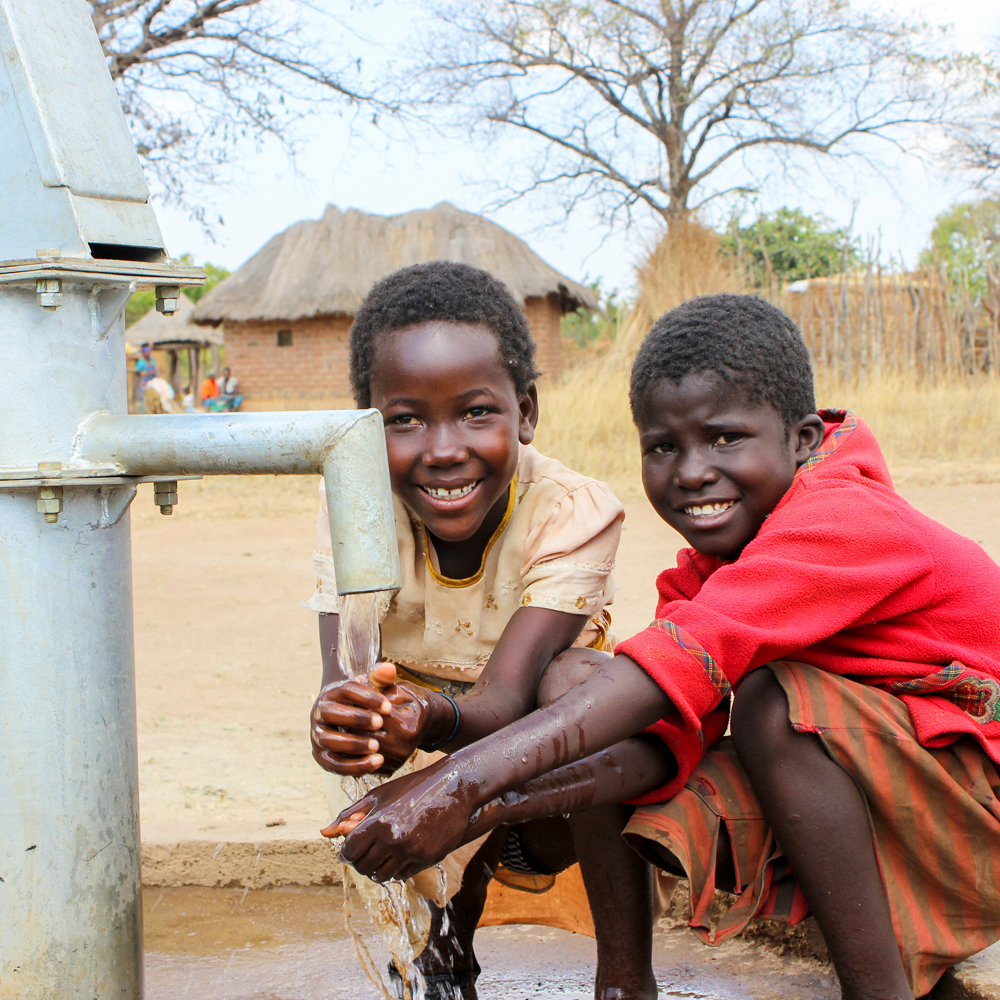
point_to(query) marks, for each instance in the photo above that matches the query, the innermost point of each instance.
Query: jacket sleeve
(828, 559)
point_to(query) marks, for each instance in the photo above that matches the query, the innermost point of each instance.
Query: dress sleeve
(324, 598)
(808, 574)
(570, 552)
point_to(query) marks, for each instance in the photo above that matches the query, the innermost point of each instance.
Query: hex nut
(49, 293)
(165, 496)
(167, 298)
(50, 502)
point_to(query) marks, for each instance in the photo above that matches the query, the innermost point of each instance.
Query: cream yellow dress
(555, 548)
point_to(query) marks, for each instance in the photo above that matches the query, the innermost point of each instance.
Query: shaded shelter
(287, 311)
(169, 336)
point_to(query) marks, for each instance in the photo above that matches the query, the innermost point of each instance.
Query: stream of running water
(401, 917)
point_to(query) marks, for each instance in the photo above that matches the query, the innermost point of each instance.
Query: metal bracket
(115, 500)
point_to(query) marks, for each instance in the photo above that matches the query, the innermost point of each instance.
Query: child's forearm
(508, 686)
(616, 702)
(625, 771)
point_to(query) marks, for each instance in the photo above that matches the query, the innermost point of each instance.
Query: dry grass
(944, 434)
(940, 432)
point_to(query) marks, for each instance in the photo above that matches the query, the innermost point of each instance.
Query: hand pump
(77, 237)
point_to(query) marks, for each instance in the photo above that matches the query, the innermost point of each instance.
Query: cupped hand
(407, 824)
(359, 728)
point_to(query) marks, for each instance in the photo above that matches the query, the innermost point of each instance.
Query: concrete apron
(262, 873)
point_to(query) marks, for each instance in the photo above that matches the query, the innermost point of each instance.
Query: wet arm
(418, 822)
(508, 686)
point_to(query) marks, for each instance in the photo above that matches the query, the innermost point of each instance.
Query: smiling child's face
(715, 465)
(453, 421)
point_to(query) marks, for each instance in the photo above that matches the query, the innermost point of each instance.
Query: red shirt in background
(845, 575)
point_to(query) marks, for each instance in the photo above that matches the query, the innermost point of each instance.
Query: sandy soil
(227, 662)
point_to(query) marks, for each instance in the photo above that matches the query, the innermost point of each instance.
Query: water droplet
(524, 759)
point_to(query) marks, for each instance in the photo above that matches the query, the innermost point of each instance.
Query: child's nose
(694, 470)
(446, 448)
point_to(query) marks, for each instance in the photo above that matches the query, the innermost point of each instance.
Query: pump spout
(346, 447)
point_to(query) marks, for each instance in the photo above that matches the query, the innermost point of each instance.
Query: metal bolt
(49, 292)
(47, 253)
(50, 502)
(49, 466)
(167, 297)
(165, 496)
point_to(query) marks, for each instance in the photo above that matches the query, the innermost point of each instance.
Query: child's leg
(619, 883)
(449, 950)
(820, 821)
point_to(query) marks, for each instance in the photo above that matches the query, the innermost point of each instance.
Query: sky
(355, 166)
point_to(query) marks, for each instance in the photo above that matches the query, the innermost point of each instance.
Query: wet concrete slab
(292, 944)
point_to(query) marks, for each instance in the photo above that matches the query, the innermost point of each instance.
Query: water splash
(401, 916)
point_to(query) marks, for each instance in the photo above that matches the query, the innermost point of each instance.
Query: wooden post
(194, 359)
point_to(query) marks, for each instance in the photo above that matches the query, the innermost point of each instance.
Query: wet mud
(292, 944)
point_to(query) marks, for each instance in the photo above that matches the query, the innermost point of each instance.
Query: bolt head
(167, 298)
(49, 506)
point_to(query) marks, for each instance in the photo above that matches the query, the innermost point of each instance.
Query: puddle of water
(292, 944)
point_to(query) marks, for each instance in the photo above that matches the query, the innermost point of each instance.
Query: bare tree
(197, 76)
(976, 140)
(667, 104)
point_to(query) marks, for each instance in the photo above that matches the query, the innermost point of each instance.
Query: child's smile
(714, 465)
(453, 422)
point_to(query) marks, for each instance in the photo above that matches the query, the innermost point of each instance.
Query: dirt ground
(227, 661)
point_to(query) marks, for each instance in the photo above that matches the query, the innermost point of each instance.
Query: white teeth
(449, 494)
(712, 508)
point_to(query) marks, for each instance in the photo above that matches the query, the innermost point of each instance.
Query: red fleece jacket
(845, 575)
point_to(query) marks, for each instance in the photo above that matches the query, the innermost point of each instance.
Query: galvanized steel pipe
(347, 447)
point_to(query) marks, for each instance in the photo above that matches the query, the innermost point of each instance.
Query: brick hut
(287, 311)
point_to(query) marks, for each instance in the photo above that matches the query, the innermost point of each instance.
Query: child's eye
(663, 449)
(478, 411)
(404, 420)
(730, 437)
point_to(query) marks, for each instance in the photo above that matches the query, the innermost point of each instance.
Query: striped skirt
(934, 814)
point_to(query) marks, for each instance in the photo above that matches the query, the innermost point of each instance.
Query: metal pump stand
(77, 237)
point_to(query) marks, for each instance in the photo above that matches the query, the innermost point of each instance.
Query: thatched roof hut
(304, 286)
(175, 332)
(326, 267)
(171, 335)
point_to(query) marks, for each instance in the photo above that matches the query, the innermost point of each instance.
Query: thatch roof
(326, 267)
(177, 331)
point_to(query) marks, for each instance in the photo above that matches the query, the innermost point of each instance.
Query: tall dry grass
(937, 418)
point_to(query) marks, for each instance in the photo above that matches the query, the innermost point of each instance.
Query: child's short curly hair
(440, 290)
(745, 341)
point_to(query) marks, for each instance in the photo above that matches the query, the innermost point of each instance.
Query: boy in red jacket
(859, 644)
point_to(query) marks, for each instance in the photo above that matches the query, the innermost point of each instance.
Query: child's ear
(806, 436)
(528, 405)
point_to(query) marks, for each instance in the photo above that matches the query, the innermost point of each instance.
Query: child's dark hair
(745, 341)
(441, 290)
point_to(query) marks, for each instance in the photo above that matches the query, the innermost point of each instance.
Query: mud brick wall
(287, 366)
(544, 316)
(304, 364)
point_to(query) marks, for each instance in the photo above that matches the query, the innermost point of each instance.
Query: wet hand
(361, 728)
(345, 724)
(406, 825)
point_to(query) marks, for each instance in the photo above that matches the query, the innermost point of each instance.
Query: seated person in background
(209, 390)
(857, 639)
(228, 394)
(506, 558)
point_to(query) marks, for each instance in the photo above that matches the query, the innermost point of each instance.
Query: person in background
(229, 397)
(209, 391)
(145, 368)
